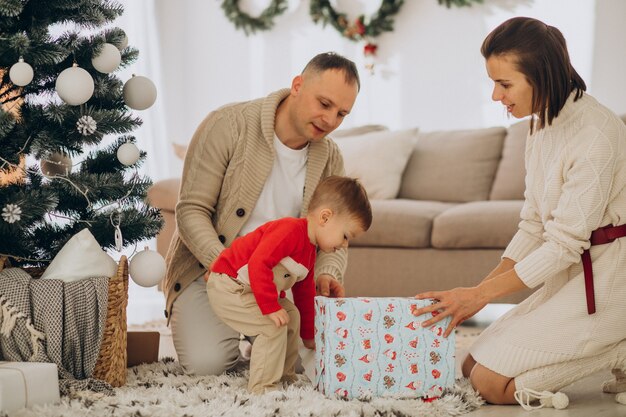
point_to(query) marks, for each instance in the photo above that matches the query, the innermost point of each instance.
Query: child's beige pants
(275, 349)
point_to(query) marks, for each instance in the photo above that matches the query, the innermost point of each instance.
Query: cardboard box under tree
(376, 347)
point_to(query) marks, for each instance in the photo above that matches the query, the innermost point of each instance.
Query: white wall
(429, 71)
(608, 80)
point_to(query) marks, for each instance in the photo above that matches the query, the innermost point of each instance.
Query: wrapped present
(371, 347)
(24, 384)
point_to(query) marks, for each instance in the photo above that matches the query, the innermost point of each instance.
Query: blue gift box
(376, 347)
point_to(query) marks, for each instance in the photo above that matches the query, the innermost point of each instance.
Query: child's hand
(280, 317)
(309, 343)
(208, 271)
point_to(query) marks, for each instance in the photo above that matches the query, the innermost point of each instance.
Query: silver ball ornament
(21, 73)
(128, 154)
(147, 268)
(108, 59)
(139, 92)
(56, 163)
(74, 85)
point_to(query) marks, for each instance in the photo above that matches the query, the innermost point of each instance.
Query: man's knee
(215, 363)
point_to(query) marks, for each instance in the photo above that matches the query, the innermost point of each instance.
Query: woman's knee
(468, 365)
(493, 387)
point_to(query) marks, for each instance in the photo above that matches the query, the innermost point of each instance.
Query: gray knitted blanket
(48, 320)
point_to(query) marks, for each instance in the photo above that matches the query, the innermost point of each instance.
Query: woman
(575, 178)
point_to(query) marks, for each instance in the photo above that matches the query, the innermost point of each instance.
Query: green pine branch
(41, 214)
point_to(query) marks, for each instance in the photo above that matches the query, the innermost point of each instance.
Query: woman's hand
(459, 303)
(280, 317)
(328, 286)
(309, 343)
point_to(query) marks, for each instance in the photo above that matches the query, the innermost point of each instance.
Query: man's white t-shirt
(284, 189)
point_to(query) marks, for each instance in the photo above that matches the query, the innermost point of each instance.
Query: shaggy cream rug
(163, 390)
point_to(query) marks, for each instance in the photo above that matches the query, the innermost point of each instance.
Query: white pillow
(81, 257)
(378, 159)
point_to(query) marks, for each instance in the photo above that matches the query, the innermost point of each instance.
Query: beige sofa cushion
(401, 223)
(479, 224)
(453, 166)
(358, 130)
(509, 181)
(378, 159)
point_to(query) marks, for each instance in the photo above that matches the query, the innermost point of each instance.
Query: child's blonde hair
(343, 195)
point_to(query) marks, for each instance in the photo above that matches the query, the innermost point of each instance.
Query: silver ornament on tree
(147, 268)
(74, 85)
(116, 220)
(11, 213)
(128, 153)
(139, 92)
(86, 125)
(108, 59)
(56, 164)
(21, 73)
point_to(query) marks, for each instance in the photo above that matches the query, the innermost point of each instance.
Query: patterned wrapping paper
(369, 347)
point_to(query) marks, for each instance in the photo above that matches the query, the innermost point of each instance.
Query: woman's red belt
(601, 236)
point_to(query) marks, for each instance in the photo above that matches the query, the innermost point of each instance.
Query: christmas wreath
(362, 28)
(379, 22)
(251, 24)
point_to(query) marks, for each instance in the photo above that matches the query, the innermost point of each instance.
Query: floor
(585, 396)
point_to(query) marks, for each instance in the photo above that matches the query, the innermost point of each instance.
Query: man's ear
(296, 84)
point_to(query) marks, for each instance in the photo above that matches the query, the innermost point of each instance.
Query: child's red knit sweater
(262, 249)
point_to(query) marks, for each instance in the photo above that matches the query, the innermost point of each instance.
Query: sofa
(445, 205)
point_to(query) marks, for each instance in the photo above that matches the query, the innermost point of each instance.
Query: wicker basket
(111, 363)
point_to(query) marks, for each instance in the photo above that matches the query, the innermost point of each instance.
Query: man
(249, 163)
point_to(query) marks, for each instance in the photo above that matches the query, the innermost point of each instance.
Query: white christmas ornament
(11, 213)
(108, 59)
(147, 268)
(139, 92)
(123, 43)
(74, 85)
(21, 73)
(56, 164)
(128, 153)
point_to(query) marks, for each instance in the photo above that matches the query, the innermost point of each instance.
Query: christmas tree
(67, 161)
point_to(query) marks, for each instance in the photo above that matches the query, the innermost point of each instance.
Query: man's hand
(309, 343)
(280, 317)
(328, 286)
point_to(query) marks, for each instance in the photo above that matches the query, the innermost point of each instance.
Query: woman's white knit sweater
(575, 180)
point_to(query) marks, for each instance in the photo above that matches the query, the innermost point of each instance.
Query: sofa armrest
(164, 194)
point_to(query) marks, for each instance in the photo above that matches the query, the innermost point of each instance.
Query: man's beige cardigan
(228, 161)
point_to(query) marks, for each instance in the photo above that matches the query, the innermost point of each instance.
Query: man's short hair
(333, 61)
